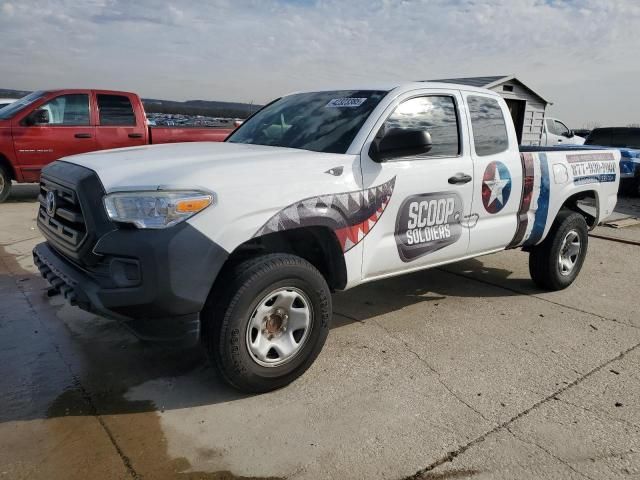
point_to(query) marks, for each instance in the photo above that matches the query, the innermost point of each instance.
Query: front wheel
(556, 262)
(5, 184)
(269, 323)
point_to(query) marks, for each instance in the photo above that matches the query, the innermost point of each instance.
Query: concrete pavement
(466, 371)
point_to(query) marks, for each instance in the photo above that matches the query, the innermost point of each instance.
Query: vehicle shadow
(114, 373)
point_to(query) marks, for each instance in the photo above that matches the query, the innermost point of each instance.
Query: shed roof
(488, 82)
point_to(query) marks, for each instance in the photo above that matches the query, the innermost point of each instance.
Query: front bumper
(154, 281)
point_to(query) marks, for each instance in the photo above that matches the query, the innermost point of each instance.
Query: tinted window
(626, 138)
(68, 110)
(115, 110)
(599, 137)
(319, 121)
(2, 105)
(489, 129)
(436, 115)
(620, 137)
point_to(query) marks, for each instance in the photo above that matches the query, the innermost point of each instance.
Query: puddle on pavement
(90, 430)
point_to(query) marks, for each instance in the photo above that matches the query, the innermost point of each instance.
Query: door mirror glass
(400, 142)
(568, 134)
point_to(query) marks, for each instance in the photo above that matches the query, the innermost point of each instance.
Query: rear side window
(115, 110)
(489, 128)
(436, 115)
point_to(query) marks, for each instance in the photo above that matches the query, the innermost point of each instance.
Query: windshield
(13, 108)
(320, 122)
(622, 138)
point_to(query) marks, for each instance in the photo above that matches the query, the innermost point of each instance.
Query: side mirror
(568, 134)
(38, 117)
(400, 142)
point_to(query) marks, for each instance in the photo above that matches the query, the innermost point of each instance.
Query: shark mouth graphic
(351, 215)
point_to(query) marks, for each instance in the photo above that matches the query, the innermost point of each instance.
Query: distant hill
(190, 107)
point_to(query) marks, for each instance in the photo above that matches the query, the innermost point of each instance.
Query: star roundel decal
(496, 187)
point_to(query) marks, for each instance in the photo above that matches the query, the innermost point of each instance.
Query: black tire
(5, 184)
(544, 264)
(225, 320)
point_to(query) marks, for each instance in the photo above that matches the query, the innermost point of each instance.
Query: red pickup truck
(47, 125)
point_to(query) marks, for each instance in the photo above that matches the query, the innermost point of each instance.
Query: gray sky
(581, 55)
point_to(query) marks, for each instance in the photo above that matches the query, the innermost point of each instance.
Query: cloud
(580, 54)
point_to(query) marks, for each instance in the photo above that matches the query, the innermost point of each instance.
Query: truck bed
(187, 134)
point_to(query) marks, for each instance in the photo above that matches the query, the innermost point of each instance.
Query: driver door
(425, 200)
(67, 131)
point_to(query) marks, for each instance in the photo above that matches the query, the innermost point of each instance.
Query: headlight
(155, 209)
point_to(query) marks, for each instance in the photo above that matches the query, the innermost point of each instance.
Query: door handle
(82, 135)
(135, 135)
(460, 178)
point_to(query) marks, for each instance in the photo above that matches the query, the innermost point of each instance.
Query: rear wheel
(5, 184)
(269, 323)
(556, 262)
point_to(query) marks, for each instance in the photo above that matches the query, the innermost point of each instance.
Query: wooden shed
(526, 106)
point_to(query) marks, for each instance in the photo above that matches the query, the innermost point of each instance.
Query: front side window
(561, 129)
(489, 128)
(115, 110)
(435, 114)
(318, 121)
(70, 109)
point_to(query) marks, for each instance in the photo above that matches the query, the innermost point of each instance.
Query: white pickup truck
(242, 242)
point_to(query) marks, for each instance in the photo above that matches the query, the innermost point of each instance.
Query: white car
(6, 101)
(555, 133)
(242, 242)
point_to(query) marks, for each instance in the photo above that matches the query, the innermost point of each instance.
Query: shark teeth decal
(351, 215)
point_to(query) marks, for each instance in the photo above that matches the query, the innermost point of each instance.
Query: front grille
(78, 220)
(67, 224)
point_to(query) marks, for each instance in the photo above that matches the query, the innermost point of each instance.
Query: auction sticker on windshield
(345, 102)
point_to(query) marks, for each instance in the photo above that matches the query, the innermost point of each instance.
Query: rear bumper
(155, 282)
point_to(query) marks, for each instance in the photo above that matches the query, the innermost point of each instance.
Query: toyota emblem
(51, 203)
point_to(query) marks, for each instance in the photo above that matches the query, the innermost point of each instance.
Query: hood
(205, 165)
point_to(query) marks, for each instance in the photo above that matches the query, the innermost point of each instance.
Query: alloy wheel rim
(569, 252)
(279, 327)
